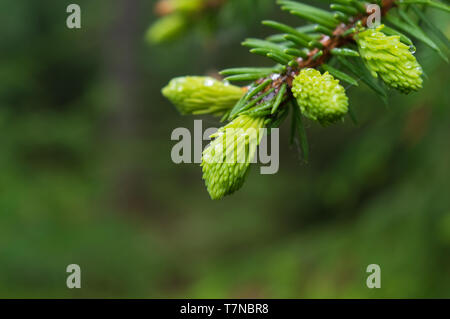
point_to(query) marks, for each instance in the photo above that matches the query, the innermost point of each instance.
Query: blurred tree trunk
(121, 50)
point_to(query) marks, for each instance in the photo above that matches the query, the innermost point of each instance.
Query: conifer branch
(380, 57)
(340, 38)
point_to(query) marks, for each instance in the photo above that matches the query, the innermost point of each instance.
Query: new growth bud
(226, 160)
(391, 59)
(167, 28)
(320, 96)
(187, 6)
(202, 95)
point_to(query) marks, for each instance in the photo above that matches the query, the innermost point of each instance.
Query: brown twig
(163, 7)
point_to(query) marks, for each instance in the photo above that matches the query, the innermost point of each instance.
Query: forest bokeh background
(87, 177)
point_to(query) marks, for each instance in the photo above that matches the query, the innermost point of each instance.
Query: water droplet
(209, 82)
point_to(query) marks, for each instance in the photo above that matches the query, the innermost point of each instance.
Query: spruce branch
(329, 45)
(311, 61)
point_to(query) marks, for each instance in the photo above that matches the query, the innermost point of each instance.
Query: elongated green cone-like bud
(202, 95)
(167, 28)
(391, 59)
(226, 160)
(188, 6)
(320, 96)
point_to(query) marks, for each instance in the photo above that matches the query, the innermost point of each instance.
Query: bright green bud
(391, 59)
(320, 96)
(226, 160)
(167, 28)
(188, 6)
(202, 95)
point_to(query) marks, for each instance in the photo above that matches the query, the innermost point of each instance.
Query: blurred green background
(87, 176)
